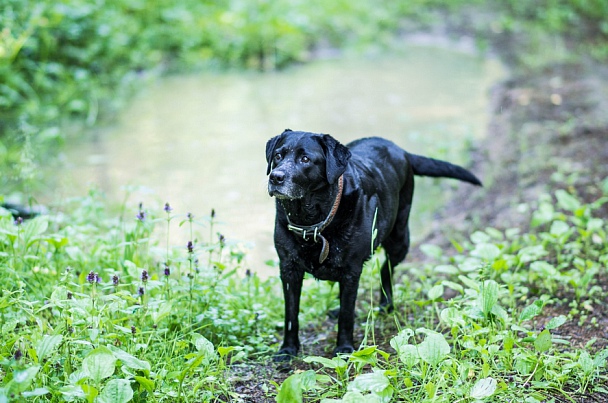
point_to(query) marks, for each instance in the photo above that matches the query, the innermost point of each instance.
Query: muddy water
(197, 141)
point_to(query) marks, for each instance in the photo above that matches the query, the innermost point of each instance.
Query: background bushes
(61, 59)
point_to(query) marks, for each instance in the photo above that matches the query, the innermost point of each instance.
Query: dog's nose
(277, 177)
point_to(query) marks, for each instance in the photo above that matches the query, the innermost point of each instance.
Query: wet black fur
(303, 173)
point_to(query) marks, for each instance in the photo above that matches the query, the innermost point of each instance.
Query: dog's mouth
(283, 194)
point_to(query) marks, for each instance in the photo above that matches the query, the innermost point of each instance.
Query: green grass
(92, 308)
(492, 339)
(98, 306)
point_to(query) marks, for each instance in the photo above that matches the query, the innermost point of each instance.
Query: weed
(81, 321)
(485, 342)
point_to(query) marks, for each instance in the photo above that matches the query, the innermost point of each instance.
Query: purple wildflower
(167, 208)
(133, 330)
(115, 280)
(70, 295)
(190, 247)
(141, 216)
(18, 354)
(19, 221)
(190, 216)
(144, 276)
(93, 277)
(167, 270)
(141, 291)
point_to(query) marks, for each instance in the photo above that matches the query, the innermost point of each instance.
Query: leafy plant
(486, 342)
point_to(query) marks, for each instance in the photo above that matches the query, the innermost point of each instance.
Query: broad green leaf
(470, 265)
(479, 237)
(365, 352)
(401, 339)
(130, 361)
(116, 391)
(469, 282)
(47, 345)
(374, 382)
(595, 224)
(435, 292)
(434, 348)
(585, 362)
(531, 253)
(543, 341)
(22, 379)
(452, 317)
(430, 250)
(145, 383)
(35, 393)
(224, 351)
(483, 388)
(408, 354)
(454, 286)
(204, 346)
(36, 226)
(99, 364)
(90, 392)
(445, 269)
(291, 390)
(542, 215)
(488, 296)
(524, 364)
(559, 228)
(566, 201)
(556, 322)
(308, 380)
(486, 251)
(431, 390)
(600, 358)
(326, 362)
(531, 310)
(494, 233)
(545, 269)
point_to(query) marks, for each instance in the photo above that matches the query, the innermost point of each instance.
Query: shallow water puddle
(197, 141)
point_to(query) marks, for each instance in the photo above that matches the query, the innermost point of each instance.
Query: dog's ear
(271, 145)
(336, 158)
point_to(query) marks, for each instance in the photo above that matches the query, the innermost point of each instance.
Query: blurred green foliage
(61, 59)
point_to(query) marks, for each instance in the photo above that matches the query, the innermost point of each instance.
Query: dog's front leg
(346, 317)
(292, 288)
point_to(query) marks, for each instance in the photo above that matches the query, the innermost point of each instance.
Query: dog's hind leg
(395, 253)
(396, 245)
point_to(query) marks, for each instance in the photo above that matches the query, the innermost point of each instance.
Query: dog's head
(300, 163)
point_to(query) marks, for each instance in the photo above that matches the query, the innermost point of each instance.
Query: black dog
(333, 201)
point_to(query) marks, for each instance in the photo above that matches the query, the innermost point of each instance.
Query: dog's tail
(425, 166)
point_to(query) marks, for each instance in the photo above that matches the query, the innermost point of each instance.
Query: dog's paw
(345, 349)
(285, 354)
(386, 308)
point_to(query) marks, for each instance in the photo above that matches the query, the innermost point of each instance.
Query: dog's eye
(305, 159)
(277, 157)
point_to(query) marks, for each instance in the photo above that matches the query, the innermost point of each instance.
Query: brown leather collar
(313, 232)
